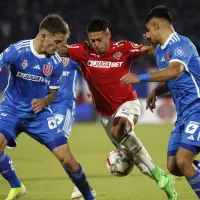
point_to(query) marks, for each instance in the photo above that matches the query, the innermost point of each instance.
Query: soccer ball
(120, 162)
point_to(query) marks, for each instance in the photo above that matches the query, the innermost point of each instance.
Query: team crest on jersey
(47, 70)
(65, 61)
(117, 55)
(167, 56)
(24, 64)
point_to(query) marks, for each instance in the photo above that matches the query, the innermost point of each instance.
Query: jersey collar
(167, 41)
(34, 52)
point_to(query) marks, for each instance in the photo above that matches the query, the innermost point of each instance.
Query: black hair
(54, 24)
(160, 11)
(97, 25)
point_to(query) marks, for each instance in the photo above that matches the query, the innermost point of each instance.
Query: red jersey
(104, 71)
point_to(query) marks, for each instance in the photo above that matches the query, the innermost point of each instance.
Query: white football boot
(76, 194)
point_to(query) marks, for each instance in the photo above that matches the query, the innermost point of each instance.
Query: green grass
(45, 179)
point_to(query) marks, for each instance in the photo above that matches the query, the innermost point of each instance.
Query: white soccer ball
(120, 162)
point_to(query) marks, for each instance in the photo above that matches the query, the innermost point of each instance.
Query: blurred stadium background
(19, 19)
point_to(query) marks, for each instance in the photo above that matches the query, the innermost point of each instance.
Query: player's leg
(54, 139)
(74, 170)
(65, 117)
(8, 129)
(188, 149)
(173, 146)
(122, 136)
(185, 160)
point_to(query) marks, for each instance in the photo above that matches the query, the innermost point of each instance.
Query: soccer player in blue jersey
(64, 104)
(35, 73)
(179, 64)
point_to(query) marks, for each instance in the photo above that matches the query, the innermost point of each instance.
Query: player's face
(100, 40)
(52, 42)
(154, 31)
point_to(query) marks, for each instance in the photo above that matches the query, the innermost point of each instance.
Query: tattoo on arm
(48, 99)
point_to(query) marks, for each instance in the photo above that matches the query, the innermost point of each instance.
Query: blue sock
(7, 170)
(80, 180)
(197, 164)
(194, 182)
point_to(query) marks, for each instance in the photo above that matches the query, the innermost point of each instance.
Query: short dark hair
(54, 24)
(97, 25)
(160, 11)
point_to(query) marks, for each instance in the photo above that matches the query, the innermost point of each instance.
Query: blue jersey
(31, 76)
(185, 89)
(67, 93)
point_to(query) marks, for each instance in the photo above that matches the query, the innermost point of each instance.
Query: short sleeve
(75, 51)
(56, 76)
(180, 52)
(133, 49)
(8, 57)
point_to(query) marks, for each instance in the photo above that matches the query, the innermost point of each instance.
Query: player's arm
(39, 104)
(152, 97)
(172, 72)
(73, 51)
(62, 51)
(8, 57)
(148, 50)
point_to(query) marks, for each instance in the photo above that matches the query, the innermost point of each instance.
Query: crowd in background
(19, 19)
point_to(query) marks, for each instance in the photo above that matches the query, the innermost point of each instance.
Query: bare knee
(66, 158)
(183, 163)
(173, 168)
(121, 126)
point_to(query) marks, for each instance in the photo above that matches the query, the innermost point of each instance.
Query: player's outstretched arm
(39, 104)
(148, 50)
(152, 97)
(173, 71)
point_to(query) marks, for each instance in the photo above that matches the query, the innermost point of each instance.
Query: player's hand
(129, 78)
(37, 105)
(147, 36)
(62, 51)
(151, 101)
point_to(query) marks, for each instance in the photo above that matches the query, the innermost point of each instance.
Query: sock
(194, 182)
(135, 146)
(7, 170)
(80, 180)
(143, 168)
(197, 164)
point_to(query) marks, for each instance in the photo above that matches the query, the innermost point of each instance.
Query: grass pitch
(45, 179)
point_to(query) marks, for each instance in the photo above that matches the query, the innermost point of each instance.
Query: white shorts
(129, 110)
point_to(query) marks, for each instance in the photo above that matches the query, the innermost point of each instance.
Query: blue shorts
(64, 116)
(186, 134)
(42, 128)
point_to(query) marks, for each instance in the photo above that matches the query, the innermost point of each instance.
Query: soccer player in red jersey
(103, 63)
